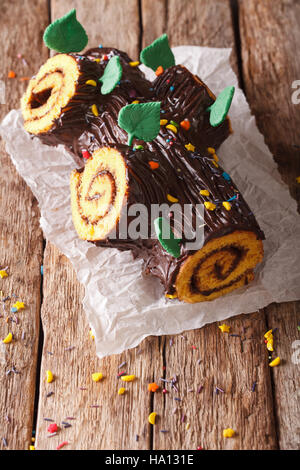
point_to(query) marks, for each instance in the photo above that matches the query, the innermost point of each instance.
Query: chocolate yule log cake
(141, 145)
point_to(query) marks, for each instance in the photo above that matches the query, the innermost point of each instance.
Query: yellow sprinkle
(275, 363)
(19, 305)
(215, 157)
(91, 334)
(227, 205)
(190, 147)
(135, 102)
(127, 378)
(211, 150)
(91, 231)
(95, 110)
(8, 339)
(33, 439)
(268, 334)
(215, 163)
(49, 376)
(96, 60)
(121, 391)
(298, 179)
(3, 273)
(134, 64)
(228, 432)
(187, 426)
(163, 122)
(270, 345)
(210, 206)
(171, 198)
(204, 192)
(91, 82)
(171, 296)
(152, 417)
(224, 328)
(31, 448)
(97, 376)
(172, 128)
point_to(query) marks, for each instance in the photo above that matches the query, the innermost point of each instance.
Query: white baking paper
(123, 306)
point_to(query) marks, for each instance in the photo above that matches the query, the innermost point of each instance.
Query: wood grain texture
(21, 241)
(107, 22)
(269, 38)
(103, 419)
(196, 23)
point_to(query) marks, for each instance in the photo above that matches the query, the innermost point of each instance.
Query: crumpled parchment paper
(122, 305)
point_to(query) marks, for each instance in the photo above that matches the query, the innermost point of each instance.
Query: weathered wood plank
(230, 363)
(269, 37)
(21, 241)
(119, 419)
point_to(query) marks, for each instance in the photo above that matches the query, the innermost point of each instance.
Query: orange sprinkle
(153, 387)
(153, 165)
(24, 79)
(159, 70)
(185, 124)
(11, 74)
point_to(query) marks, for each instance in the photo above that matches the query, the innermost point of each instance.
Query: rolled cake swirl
(63, 103)
(115, 178)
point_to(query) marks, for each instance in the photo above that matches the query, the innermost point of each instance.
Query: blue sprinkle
(162, 111)
(172, 88)
(100, 46)
(42, 270)
(226, 176)
(232, 198)
(14, 309)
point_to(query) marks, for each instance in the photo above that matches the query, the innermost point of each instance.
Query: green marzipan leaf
(219, 109)
(141, 121)
(112, 75)
(158, 53)
(166, 237)
(66, 34)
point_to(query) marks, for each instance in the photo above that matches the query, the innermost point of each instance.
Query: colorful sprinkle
(204, 192)
(298, 179)
(275, 362)
(3, 273)
(11, 74)
(61, 445)
(171, 198)
(159, 71)
(135, 102)
(172, 128)
(52, 427)
(228, 432)
(190, 147)
(85, 154)
(153, 165)
(163, 122)
(8, 338)
(49, 376)
(121, 391)
(185, 124)
(128, 378)
(97, 376)
(134, 64)
(153, 387)
(19, 305)
(171, 296)
(152, 417)
(211, 150)
(95, 110)
(227, 205)
(210, 205)
(91, 82)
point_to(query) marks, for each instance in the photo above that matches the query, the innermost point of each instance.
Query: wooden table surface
(52, 332)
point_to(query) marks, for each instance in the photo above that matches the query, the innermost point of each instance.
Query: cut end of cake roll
(98, 194)
(221, 266)
(49, 92)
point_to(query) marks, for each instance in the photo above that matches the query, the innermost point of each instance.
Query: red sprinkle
(52, 427)
(62, 444)
(85, 154)
(105, 57)
(153, 165)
